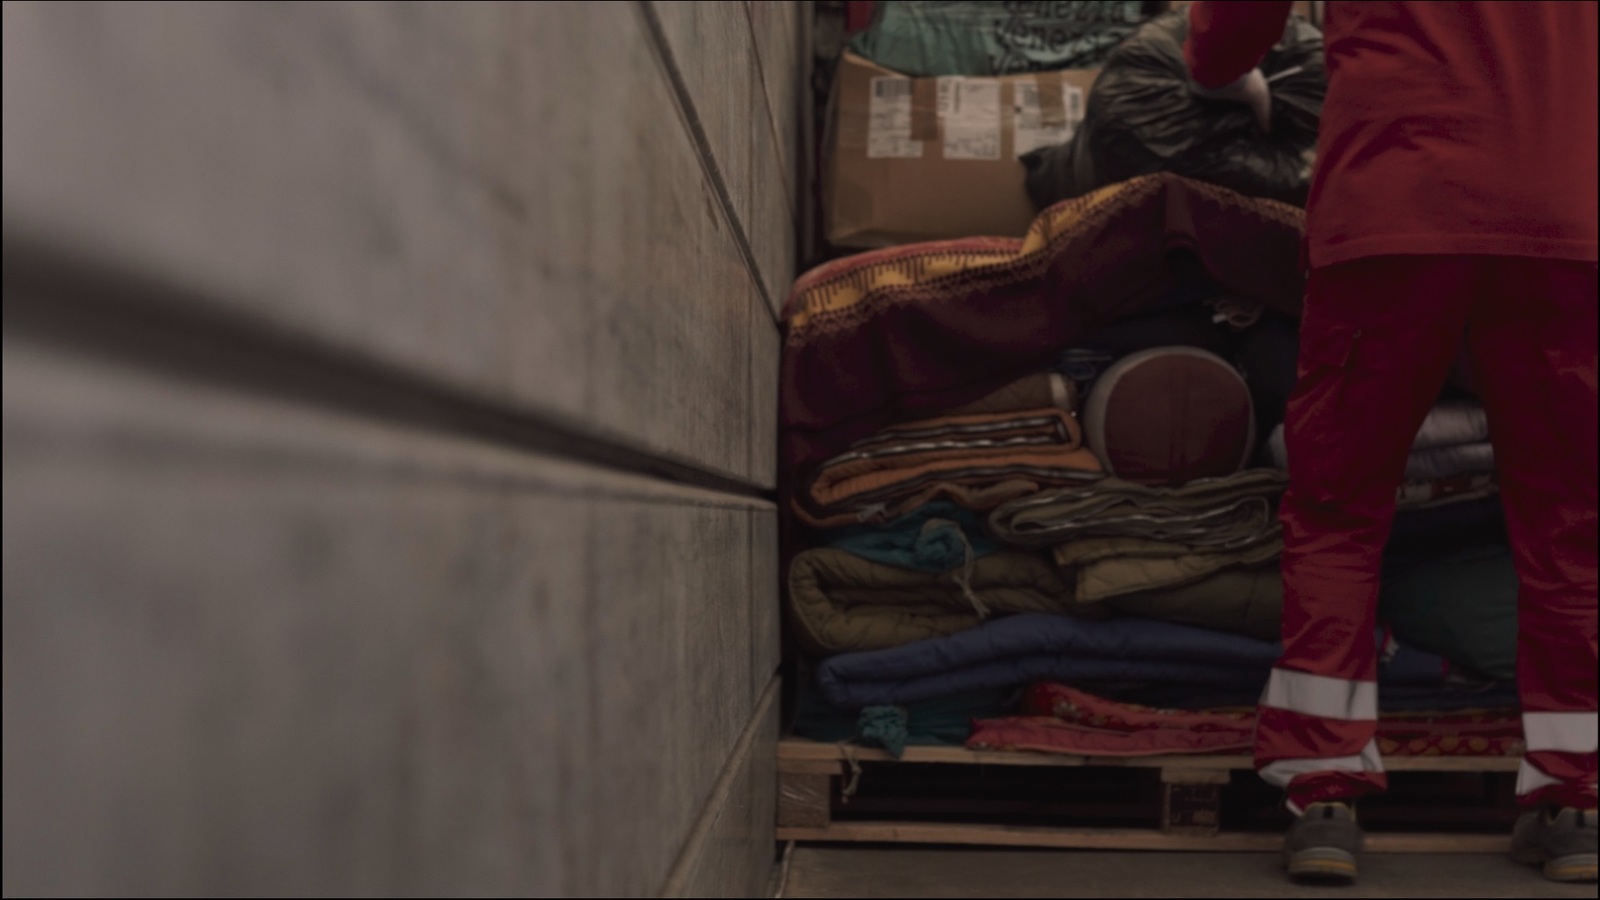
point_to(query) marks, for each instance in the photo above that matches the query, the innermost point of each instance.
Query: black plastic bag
(1143, 118)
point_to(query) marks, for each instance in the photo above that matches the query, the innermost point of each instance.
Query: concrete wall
(389, 410)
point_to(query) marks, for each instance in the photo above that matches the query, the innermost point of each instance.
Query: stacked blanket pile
(1449, 496)
(1055, 462)
(842, 602)
(1199, 554)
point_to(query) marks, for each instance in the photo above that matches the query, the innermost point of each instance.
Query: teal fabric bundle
(934, 539)
(943, 721)
(888, 727)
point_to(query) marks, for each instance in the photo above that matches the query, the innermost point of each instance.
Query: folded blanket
(1429, 460)
(1450, 423)
(936, 538)
(1229, 513)
(1458, 600)
(1418, 495)
(1105, 569)
(1481, 732)
(1433, 463)
(1044, 734)
(1056, 718)
(1025, 648)
(1237, 601)
(1434, 475)
(1457, 692)
(1453, 423)
(907, 466)
(1119, 538)
(1454, 595)
(901, 333)
(841, 603)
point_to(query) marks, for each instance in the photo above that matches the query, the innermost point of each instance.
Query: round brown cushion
(1169, 416)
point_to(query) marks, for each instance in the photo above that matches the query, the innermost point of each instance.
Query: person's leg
(1533, 349)
(1377, 339)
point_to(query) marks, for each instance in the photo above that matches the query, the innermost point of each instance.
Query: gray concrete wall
(389, 410)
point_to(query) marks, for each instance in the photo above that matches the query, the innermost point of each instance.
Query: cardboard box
(922, 159)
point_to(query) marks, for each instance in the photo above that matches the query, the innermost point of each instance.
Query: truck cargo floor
(902, 871)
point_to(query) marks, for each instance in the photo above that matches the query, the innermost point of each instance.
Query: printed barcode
(1074, 105)
(891, 88)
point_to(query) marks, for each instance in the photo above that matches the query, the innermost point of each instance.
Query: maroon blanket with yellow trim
(908, 332)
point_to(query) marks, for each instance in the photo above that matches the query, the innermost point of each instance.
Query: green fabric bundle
(1461, 605)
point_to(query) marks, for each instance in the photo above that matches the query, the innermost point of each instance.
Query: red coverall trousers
(1377, 340)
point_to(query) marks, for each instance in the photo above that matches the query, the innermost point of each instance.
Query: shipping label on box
(969, 117)
(889, 120)
(918, 159)
(1044, 114)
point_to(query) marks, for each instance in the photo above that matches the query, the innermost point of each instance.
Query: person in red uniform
(1454, 195)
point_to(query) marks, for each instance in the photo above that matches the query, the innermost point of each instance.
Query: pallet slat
(800, 755)
(812, 775)
(804, 800)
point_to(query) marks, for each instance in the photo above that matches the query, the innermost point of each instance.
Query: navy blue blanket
(1026, 648)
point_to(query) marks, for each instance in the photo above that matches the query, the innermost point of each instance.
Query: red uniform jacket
(1449, 128)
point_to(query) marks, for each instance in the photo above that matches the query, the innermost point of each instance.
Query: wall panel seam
(721, 790)
(702, 143)
(789, 187)
(65, 298)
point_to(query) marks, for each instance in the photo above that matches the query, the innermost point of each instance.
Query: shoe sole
(1578, 868)
(1322, 865)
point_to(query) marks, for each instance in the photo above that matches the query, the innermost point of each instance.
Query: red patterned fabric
(1060, 719)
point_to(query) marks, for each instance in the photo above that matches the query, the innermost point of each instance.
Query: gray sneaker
(1560, 840)
(1322, 844)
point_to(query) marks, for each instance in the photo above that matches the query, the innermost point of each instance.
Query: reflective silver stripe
(1322, 696)
(1566, 732)
(1280, 773)
(1530, 779)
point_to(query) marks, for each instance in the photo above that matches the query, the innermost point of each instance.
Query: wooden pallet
(812, 776)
